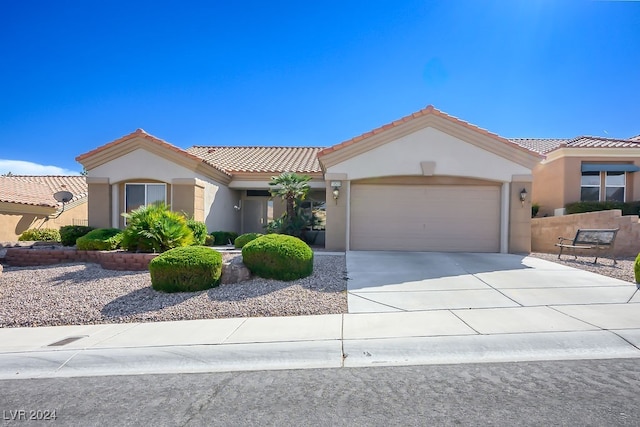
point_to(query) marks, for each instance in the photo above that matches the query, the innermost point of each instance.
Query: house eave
(23, 208)
(613, 153)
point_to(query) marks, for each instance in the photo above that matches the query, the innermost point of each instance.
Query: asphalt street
(585, 392)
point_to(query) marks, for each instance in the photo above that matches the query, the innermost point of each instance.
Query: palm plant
(155, 228)
(292, 188)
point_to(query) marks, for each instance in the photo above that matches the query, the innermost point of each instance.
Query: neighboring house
(585, 168)
(27, 202)
(427, 182)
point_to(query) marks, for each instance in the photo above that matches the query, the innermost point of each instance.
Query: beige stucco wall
(99, 209)
(548, 189)
(557, 182)
(336, 232)
(14, 221)
(519, 218)
(198, 195)
(446, 160)
(140, 164)
(452, 157)
(219, 202)
(545, 231)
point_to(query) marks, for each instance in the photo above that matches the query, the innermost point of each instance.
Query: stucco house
(585, 168)
(428, 182)
(27, 202)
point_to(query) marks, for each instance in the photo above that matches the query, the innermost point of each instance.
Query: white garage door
(441, 218)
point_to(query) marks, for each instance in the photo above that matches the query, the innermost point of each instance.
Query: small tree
(292, 188)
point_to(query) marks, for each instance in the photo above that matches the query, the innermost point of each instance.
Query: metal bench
(595, 240)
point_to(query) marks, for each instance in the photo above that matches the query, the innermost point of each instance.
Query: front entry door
(254, 215)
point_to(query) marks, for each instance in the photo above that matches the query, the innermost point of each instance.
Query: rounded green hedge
(70, 233)
(186, 269)
(245, 238)
(221, 238)
(100, 239)
(278, 256)
(40, 235)
(636, 269)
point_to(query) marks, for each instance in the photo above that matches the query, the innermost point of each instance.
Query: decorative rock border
(233, 271)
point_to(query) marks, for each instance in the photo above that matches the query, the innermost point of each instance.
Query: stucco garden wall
(545, 231)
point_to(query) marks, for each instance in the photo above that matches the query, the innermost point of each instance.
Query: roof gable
(429, 117)
(142, 140)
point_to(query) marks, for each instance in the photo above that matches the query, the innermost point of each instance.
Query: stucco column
(187, 196)
(504, 217)
(336, 235)
(115, 203)
(520, 215)
(99, 203)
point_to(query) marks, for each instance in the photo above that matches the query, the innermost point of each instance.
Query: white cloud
(21, 167)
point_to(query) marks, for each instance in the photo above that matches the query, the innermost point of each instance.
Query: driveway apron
(415, 281)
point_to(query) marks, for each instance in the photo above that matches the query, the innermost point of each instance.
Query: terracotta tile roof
(430, 109)
(635, 138)
(260, 159)
(38, 190)
(545, 145)
(600, 142)
(540, 145)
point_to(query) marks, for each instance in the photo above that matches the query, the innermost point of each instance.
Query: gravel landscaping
(75, 294)
(623, 270)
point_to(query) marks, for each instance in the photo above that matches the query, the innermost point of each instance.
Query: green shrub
(221, 238)
(209, 240)
(245, 238)
(535, 208)
(40, 235)
(100, 239)
(278, 256)
(70, 233)
(155, 228)
(199, 230)
(636, 269)
(627, 208)
(186, 269)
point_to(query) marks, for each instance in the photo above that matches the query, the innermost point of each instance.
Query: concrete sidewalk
(328, 341)
(433, 308)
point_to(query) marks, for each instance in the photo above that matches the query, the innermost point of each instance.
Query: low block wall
(109, 260)
(545, 231)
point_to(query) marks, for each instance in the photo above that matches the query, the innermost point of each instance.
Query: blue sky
(78, 74)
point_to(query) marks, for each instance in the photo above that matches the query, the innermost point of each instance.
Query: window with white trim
(590, 187)
(137, 195)
(614, 186)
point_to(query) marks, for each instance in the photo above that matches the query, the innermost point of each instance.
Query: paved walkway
(479, 308)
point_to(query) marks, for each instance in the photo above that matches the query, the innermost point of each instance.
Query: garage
(428, 182)
(443, 218)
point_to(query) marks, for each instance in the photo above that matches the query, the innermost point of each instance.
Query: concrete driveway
(417, 281)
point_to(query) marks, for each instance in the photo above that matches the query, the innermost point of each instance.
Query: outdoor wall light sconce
(336, 189)
(523, 196)
(238, 206)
